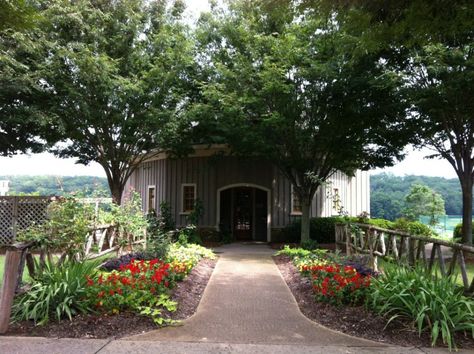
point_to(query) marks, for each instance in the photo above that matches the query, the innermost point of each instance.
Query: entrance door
(243, 213)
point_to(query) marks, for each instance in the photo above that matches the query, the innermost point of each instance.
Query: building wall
(211, 174)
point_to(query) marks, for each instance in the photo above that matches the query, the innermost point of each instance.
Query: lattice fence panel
(17, 213)
(31, 211)
(6, 220)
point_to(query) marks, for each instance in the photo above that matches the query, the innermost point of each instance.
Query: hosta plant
(431, 303)
(59, 292)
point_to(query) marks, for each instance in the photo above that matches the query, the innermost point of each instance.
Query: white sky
(47, 164)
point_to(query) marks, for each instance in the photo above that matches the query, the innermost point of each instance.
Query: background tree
(117, 76)
(422, 200)
(290, 86)
(387, 193)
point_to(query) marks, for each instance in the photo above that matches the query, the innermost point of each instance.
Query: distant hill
(86, 186)
(387, 193)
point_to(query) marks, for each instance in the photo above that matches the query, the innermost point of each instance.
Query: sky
(47, 164)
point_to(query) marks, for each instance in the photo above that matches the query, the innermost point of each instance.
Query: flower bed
(126, 284)
(415, 300)
(333, 281)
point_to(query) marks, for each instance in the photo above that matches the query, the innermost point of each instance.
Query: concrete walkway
(247, 301)
(246, 308)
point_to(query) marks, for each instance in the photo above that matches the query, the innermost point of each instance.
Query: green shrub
(59, 292)
(434, 304)
(322, 230)
(293, 252)
(385, 224)
(309, 245)
(457, 232)
(413, 227)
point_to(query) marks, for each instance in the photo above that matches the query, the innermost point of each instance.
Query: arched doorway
(243, 210)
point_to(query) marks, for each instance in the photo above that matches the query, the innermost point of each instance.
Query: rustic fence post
(10, 278)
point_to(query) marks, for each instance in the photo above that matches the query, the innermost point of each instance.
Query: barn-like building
(249, 198)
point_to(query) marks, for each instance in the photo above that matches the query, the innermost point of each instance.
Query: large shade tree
(291, 86)
(116, 74)
(434, 44)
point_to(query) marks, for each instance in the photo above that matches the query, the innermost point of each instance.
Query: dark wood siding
(211, 174)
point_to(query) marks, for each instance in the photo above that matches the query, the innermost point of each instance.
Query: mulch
(354, 320)
(187, 293)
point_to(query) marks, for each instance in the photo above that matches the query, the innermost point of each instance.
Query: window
(336, 200)
(295, 203)
(188, 192)
(151, 197)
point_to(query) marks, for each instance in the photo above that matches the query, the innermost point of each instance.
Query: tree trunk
(305, 209)
(466, 186)
(117, 190)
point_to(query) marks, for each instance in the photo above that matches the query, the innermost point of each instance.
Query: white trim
(292, 211)
(251, 185)
(182, 211)
(151, 186)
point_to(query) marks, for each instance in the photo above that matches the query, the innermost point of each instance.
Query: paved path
(247, 301)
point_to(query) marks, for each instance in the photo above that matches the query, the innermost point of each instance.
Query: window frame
(183, 185)
(150, 187)
(292, 201)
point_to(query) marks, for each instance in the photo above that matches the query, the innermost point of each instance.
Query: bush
(322, 230)
(413, 227)
(293, 252)
(431, 303)
(59, 292)
(457, 232)
(385, 224)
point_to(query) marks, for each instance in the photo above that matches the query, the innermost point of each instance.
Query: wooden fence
(20, 212)
(405, 248)
(101, 240)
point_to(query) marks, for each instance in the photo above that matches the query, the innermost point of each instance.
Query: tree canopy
(21, 96)
(293, 87)
(117, 80)
(422, 200)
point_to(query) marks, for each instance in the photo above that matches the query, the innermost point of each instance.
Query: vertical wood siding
(213, 174)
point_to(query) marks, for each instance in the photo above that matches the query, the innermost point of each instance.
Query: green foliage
(59, 292)
(457, 232)
(422, 200)
(65, 231)
(413, 227)
(295, 252)
(309, 245)
(84, 186)
(129, 219)
(322, 230)
(189, 233)
(140, 286)
(430, 303)
(385, 224)
(189, 253)
(166, 222)
(387, 193)
(282, 85)
(120, 74)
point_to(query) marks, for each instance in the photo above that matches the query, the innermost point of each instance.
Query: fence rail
(405, 248)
